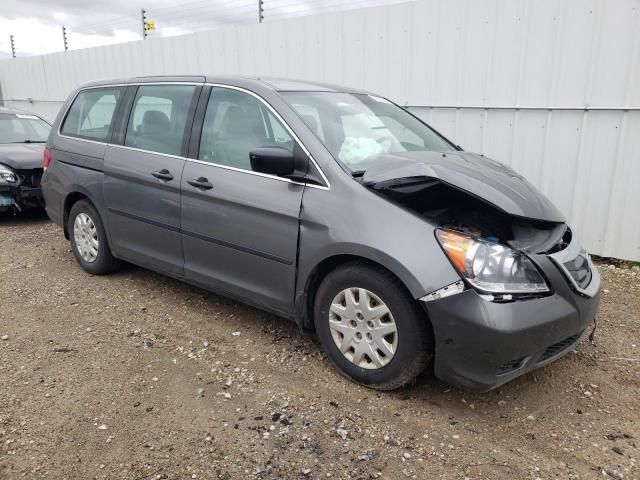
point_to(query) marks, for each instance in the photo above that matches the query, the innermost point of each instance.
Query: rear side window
(92, 114)
(158, 118)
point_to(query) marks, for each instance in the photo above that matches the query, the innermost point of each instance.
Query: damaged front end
(20, 189)
(489, 221)
(490, 248)
(527, 290)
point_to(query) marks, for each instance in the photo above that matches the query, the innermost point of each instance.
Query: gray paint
(327, 228)
(242, 235)
(260, 239)
(143, 212)
(480, 176)
(479, 336)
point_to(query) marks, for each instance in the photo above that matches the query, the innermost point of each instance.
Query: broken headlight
(7, 175)
(491, 267)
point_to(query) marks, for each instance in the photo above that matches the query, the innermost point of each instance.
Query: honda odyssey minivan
(331, 207)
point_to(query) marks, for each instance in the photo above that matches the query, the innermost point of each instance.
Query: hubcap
(363, 328)
(85, 237)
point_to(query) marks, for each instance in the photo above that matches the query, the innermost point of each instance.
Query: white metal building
(550, 87)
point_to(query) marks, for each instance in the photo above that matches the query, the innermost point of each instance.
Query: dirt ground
(137, 376)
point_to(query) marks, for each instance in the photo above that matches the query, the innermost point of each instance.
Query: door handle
(164, 175)
(202, 183)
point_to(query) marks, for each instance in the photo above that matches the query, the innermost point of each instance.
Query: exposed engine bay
(453, 208)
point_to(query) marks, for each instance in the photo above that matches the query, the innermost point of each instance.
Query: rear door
(143, 173)
(239, 227)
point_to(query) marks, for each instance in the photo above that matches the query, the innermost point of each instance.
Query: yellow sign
(150, 26)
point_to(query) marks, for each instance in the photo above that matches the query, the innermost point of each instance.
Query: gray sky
(36, 24)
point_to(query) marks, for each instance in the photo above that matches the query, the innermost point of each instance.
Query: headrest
(235, 122)
(155, 121)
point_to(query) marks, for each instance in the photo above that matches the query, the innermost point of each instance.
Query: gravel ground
(135, 375)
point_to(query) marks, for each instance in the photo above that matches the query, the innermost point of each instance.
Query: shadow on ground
(23, 218)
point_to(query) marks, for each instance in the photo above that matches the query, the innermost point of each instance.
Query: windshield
(23, 128)
(358, 129)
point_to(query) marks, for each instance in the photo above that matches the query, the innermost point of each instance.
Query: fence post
(64, 38)
(143, 14)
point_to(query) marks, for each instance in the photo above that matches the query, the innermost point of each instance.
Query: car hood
(22, 156)
(475, 174)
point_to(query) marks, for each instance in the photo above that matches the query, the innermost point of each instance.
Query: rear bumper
(481, 344)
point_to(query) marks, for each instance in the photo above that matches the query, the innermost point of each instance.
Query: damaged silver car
(329, 206)
(22, 139)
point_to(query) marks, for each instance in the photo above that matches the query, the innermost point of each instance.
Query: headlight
(7, 175)
(491, 267)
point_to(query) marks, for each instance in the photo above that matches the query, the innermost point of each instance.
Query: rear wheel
(89, 241)
(371, 328)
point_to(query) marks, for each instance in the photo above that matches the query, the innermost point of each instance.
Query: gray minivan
(329, 206)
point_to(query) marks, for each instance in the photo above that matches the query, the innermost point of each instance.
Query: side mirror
(272, 160)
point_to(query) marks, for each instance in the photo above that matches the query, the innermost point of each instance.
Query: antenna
(13, 45)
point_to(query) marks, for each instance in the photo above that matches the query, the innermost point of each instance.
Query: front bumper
(482, 344)
(20, 197)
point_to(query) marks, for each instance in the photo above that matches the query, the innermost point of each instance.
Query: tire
(102, 262)
(411, 346)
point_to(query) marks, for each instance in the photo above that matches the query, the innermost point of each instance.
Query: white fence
(550, 87)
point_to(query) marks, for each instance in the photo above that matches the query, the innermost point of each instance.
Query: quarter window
(234, 124)
(92, 113)
(158, 119)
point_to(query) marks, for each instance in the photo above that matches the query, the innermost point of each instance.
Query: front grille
(560, 347)
(563, 242)
(30, 178)
(579, 270)
(510, 366)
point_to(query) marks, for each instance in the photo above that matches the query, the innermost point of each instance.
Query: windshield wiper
(31, 141)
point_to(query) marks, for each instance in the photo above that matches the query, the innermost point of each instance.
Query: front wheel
(89, 241)
(371, 328)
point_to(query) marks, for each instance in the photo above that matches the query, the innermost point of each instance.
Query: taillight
(46, 160)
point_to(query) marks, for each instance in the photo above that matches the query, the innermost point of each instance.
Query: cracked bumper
(20, 197)
(481, 344)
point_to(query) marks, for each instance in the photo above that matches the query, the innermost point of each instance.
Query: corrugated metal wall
(550, 87)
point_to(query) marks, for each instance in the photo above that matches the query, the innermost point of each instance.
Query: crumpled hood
(477, 175)
(22, 156)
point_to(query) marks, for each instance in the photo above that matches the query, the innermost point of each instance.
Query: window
(311, 117)
(158, 119)
(92, 113)
(358, 129)
(23, 128)
(234, 124)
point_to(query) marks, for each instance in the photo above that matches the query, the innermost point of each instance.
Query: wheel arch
(305, 295)
(70, 199)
